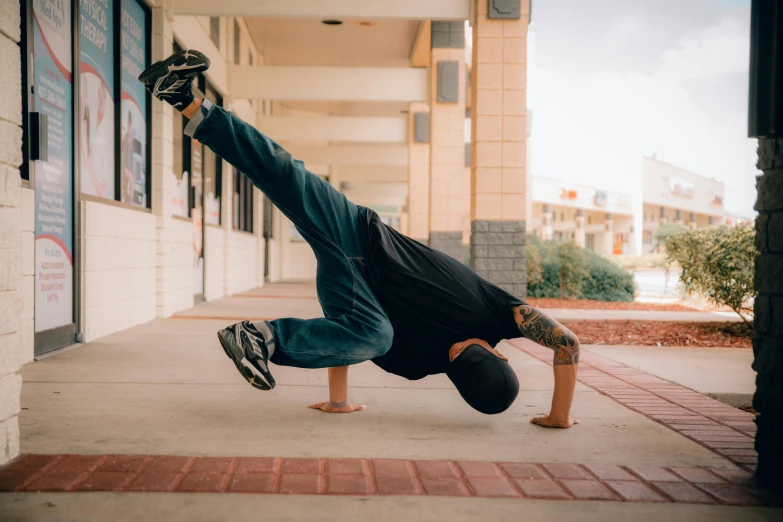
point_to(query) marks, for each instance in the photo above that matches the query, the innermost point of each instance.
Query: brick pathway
(717, 426)
(148, 473)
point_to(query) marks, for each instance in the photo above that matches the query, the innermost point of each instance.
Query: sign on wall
(133, 104)
(52, 77)
(96, 96)
(681, 187)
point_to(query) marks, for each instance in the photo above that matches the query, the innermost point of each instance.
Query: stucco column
(546, 223)
(11, 303)
(766, 123)
(608, 242)
(419, 172)
(768, 341)
(163, 180)
(500, 192)
(579, 233)
(449, 184)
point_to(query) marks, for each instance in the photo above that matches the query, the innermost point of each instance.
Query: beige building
(110, 217)
(593, 218)
(674, 195)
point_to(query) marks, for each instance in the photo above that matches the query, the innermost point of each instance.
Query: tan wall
(660, 188)
(499, 186)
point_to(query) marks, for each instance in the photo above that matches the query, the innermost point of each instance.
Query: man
(411, 310)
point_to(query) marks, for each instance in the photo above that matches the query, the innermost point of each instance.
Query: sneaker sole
(155, 71)
(243, 367)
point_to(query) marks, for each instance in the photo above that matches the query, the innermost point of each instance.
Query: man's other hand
(330, 407)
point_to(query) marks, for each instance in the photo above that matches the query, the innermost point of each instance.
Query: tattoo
(539, 327)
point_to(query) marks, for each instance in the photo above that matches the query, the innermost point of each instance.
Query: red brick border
(365, 477)
(717, 426)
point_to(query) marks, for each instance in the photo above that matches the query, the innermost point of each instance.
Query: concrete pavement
(722, 373)
(274, 301)
(145, 391)
(166, 388)
(133, 507)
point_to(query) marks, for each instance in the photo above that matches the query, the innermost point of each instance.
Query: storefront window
(214, 30)
(96, 98)
(113, 108)
(242, 203)
(237, 39)
(179, 177)
(213, 171)
(134, 104)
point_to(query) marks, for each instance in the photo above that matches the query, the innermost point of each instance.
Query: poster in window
(133, 105)
(96, 88)
(52, 77)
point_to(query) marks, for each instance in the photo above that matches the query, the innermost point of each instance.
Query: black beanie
(486, 382)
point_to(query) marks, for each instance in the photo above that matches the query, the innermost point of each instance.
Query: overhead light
(332, 22)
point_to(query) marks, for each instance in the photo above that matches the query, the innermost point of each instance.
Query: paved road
(653, 283)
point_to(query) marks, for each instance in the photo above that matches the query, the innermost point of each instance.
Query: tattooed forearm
(539, 327)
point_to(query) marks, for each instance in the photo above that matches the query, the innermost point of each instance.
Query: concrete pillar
(768, 341)
(449, 184)
(171, 295)
(419, 121)
(766, 123)
(546, 223)
(579, 233)
(500, 188)
(11, 305)
(608, 242)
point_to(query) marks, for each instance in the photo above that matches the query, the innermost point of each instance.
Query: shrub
(607, 281)
(533, 258)
(717, 263)
(664, 232)
(571, 268)
(565, 270)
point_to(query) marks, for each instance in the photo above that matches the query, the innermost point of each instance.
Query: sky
(612, 80)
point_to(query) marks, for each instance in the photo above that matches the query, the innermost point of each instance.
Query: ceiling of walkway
(382, 43)
(309, 42)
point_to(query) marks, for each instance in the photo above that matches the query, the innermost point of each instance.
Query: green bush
(664, 232)
(607, 281)
(565, 270)
(717, 263)
(533, 260)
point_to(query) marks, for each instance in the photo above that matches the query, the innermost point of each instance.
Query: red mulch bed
(662, 333)
(582, 304)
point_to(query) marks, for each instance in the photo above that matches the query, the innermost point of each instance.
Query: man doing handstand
(386, 298)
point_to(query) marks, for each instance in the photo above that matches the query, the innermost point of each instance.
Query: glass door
(48, 66)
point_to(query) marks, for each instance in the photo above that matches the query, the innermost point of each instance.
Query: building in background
(674, 195)
(110, 217)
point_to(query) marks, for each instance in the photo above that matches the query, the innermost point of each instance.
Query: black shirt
(432, 301)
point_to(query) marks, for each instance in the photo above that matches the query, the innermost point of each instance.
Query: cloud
(682, 98)
(713, 51)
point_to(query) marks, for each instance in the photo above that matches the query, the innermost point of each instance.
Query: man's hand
(337, 407)
(552, 422)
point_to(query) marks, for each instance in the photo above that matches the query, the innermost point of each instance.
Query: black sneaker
(244, 345)
(170, 79)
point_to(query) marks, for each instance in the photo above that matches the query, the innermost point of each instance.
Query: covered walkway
(165, 388)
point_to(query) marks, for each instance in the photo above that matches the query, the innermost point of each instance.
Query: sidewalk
(167, 389)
